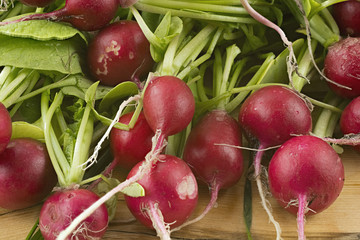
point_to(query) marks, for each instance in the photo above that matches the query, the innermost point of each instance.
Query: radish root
(262, 193)
(162, 228)
(211, 204)
(348, 139)
(93, 158)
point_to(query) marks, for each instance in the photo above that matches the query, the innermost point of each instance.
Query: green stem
(82, 146)
(169, 56)
(151, 37)
(304, 68)
(195, 15)
(236, 101)
(231, 54)
(4, 74)
(200, 84)
(32, 84)
(195, 45)
(57, 158)
(205, 7)
(6, 91)
(322, 123)
(59, 84)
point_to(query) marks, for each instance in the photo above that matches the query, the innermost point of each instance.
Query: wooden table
(340, 221)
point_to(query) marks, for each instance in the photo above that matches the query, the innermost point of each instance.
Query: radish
(85, 15)
(61, 207)
(269, 117)
(171, 195)
(306, 176)
(5, 127)
(26, 174)
(217, 165)
(350, 119)
(342, 65)
(169, 105)
(347, 16)
(131, 147)
(119, 52)
(37, 3)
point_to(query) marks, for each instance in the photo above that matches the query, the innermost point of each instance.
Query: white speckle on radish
(114, 47)
(131, 55)
(105, 72)
(187, 188)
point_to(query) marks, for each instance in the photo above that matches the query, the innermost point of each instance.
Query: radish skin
(269, 117)
(171, 195)
(214, 163)
(305, 170)
(5, 127)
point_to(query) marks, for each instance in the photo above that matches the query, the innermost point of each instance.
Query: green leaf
(119, 92)
(134, 190)
(43, 30)
(82, 84)
(22, 129)
(53, 55)
(91, 92)
(277, 72)
(168, 28)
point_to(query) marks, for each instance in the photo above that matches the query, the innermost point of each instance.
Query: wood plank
(340, 221)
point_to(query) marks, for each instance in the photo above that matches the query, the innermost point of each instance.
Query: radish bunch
(191, 79)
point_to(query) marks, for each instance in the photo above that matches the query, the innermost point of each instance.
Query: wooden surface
(340, 221)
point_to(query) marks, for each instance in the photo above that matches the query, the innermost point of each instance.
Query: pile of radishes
(174, 98)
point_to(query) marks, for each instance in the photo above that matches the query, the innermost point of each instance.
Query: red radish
(26, 174)
(171, 195)
(37, 3)
(85, 15)
(342, 65)
(219, 166)
(269, 117)
(350, 119)
(305, 174)
(347, 16)
(119, 52)
(63, 206)
(169, 105)
(131, 147)
(5, 127)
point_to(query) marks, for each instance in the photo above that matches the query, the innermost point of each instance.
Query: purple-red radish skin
(5, 127)
(269, 117)
(350, 119)
(131, 147)
(342, 65)
(215, 164)
(119, 52)
(172, 185)
(347, 16)
(85, 15)
(26, 174)
(37, 3)
(306, 165)
(168, 105)
(60, 208)
(273, 114)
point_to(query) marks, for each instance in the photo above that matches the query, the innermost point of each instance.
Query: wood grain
(340, 221)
